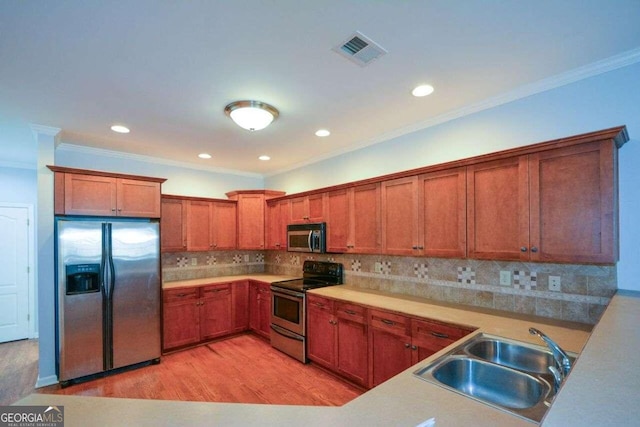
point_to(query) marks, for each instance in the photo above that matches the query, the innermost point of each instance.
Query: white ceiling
(167, 68)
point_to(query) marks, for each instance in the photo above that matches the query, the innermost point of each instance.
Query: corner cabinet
(251, 216)
(93, 193)
(557, 205)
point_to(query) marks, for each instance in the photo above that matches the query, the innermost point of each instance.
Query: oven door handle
(285, 333)
(275, 289)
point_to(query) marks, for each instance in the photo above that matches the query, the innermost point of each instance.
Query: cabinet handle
(439, 335)
(407, 345)
(119, 209)
(350, 312)
(318, 304)
(534, 249)
(387, 322)
(421, 247)
(413, 347)
(113, 209)
(414, 247)
(523, 249)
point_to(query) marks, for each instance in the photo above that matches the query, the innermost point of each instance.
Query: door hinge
(28, 317)
(28, 269)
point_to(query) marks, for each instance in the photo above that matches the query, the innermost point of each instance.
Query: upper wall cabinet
(251, 216)
(195, 224)
(276, 220)
(307, 209)
(82, 192)
(555, 205)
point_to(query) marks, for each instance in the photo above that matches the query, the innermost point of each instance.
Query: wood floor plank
(242, 369)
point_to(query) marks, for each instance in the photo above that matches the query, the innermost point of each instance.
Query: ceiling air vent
(360, 49)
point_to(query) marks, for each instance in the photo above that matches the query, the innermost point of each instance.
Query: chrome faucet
(560, 356)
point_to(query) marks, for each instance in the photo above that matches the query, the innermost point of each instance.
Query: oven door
(287, 310)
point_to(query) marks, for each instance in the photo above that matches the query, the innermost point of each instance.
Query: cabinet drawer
(217, 290)
(353, 312)
(434, 335)
(179, 294)
(393, 323)
(315, 302)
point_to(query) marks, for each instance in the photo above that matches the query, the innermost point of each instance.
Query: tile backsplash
(585, 290)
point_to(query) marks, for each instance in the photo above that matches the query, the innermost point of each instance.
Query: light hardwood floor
(243, 369)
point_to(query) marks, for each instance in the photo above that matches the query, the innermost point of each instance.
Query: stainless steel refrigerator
(108, 287)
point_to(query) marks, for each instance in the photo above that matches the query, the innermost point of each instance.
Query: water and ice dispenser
(83, 278)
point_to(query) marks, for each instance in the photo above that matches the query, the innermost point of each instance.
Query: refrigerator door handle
(108, 276)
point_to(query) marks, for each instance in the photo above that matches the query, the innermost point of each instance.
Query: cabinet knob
(421, 247)
(534, 249)
(113, 209)
(414, 247)
(407, 345)
(413, 347)
(523, 249)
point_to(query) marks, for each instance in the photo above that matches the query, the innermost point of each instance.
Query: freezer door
(79, 314)
(136, 294)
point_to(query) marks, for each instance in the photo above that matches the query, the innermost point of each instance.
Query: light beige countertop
(263, 277)
(602, 388)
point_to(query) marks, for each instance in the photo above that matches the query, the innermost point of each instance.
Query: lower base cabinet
(337, 337)
(260, 308)
(367, 345)
(200, 313)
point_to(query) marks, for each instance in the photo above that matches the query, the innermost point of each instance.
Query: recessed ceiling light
(264, 157)
(322, 132)
(204, 156)
(120, 129)
(422, 90)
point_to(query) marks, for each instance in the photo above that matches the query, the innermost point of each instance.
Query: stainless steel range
(288, 306)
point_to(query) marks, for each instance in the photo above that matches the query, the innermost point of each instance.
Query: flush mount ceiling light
(422, 90)
(251, 115)
(120, 129)
(322, 133)
(264, 157)
(204, 155)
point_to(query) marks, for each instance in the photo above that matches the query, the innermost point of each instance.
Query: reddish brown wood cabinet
(337, 337)
(276, 220)
(85, 192)
(260, 308)
(307, 209)
(197, 224)
(555, 206)
(195, 314)
(251, 216)
(353, 219)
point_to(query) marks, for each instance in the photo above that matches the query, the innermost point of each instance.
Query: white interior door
(14, 273)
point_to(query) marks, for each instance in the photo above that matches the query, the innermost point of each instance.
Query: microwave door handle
(309, 241)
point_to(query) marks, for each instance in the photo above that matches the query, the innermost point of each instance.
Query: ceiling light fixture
(422, 90)
(322, 132)
(120, 129)
(251, 115)
(204, 156)
(264, 157)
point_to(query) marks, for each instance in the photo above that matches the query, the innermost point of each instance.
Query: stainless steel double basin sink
(509, 375)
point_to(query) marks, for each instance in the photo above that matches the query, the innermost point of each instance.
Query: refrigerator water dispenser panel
(83, 278)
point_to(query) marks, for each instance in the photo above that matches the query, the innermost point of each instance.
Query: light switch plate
(505, 278)
(378, 267)
(554, 283)
(194, 261)
(246, 258)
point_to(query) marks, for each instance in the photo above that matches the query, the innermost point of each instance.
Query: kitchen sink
(491, 382)
(509, 375)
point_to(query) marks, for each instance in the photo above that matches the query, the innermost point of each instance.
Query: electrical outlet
(194, 261)
(378, 267)
(554, 283)
(246, 258)
(505, 278)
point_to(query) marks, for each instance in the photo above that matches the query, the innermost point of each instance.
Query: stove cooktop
(316, 274)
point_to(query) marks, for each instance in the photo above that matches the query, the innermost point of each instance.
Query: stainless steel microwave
(307, 237)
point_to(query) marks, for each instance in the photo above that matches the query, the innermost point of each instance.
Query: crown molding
(43, 130)
(596, 68)
(63, 146)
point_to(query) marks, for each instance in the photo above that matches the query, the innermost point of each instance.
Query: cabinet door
(224, 230)
(442, 215)
(198, 224)
(400, 216)
(254, 306)
(138, 198)
(173, 225)
(276, 225)
(321, 331)
(365, 219)
(240, 305)
(90, 195)
(251, 221)
(389, 354)
(265, 309)
(215, 311)
(180, 318)
(299, 208)
(498, 209)
(352, 343)
(316, 207)
(573, 215)
(429, 337)
(337, 221)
